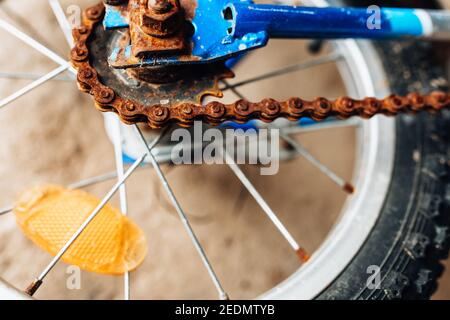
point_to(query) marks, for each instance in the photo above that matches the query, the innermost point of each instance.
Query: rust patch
(349, 188)
(302, 255)
(156, 33)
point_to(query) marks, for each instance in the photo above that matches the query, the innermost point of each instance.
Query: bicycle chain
(241, 111)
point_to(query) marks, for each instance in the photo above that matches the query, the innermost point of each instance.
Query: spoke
(34, 286)
(346, 186)
(183, 217)
(260, 200)
(30, 76)
(296, 67)
(233, 89)
(34, 44)
(62, 20)
(266, 208)
(34, 85)
(6, 210)
(118, 153)
(26, 24)
(94, 180)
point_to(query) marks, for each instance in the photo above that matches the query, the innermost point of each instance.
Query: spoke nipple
(349, 188)
(303, 256)
(33, 287)
(224, 296)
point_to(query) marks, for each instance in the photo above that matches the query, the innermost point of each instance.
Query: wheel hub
(153, 85)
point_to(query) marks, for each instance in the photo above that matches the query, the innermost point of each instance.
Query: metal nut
(163, 21)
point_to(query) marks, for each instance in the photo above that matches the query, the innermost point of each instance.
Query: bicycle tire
(412, 233)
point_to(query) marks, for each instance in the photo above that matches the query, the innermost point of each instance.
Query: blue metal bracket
(227, 28)
(210, 42)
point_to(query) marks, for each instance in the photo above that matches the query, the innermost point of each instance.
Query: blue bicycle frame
(312, 22)
(227, 28)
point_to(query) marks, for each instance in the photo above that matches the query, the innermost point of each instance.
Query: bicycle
(400, 200)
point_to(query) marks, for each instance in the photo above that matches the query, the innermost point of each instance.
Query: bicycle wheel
(395, 221)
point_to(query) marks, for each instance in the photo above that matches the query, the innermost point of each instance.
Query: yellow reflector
(111, 244)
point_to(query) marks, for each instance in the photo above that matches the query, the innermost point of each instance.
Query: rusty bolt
(163, 21)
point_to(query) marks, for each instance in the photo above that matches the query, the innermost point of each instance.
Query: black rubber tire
(412, 233)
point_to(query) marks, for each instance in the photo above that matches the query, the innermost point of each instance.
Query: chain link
(241, 111)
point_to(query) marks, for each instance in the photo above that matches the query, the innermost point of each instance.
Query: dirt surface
(54, 134)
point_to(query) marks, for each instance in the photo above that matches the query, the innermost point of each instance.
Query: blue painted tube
(330, 22)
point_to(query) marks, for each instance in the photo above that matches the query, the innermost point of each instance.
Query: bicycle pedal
(111, 244)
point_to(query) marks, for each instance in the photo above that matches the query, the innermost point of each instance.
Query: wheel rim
(376, 149)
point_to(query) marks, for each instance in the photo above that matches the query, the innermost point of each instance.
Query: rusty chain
(214, 113)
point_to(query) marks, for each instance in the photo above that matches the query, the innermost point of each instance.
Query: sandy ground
(55, 135)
